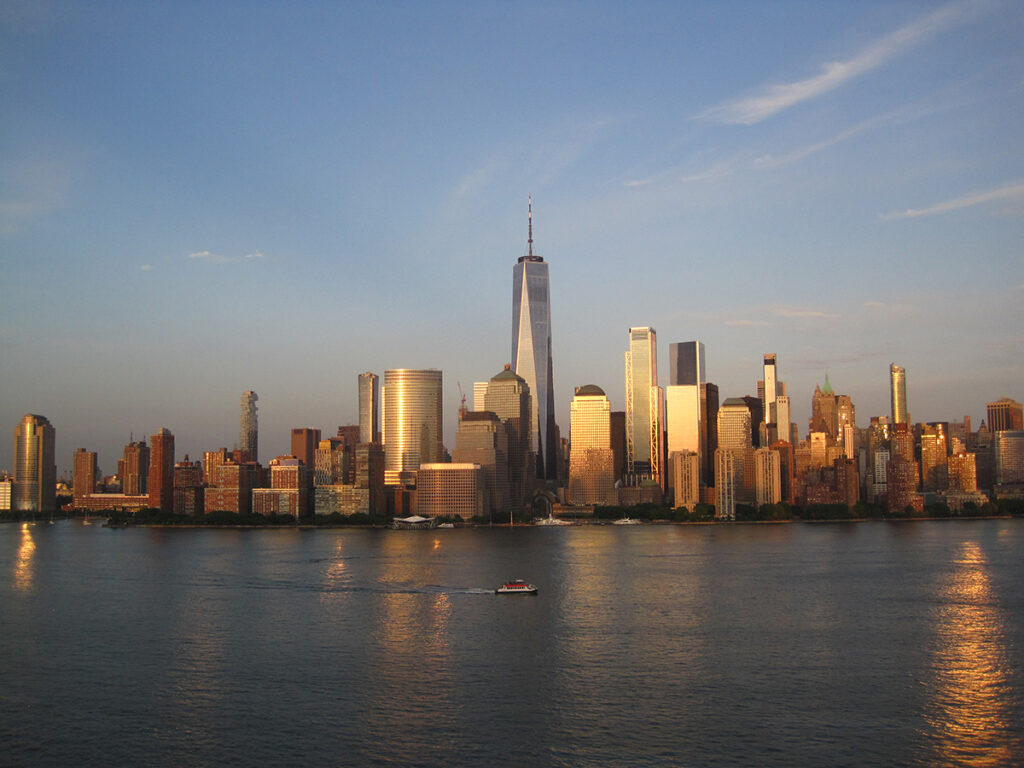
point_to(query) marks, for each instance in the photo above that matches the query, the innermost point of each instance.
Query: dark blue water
(807, 645)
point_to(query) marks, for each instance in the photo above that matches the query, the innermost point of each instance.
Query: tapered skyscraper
(531, 351)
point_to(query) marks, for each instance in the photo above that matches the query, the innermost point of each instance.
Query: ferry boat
(516, 587)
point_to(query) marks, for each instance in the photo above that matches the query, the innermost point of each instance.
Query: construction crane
(462, 407)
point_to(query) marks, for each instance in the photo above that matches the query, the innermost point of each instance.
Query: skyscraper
(84, 477)
(898, 394)
(369, 408)
(134, 469)
(248, 436)
(531, 352)
(686, 405)
(770, 393)
(508, 397)
(161, 470)
(644, 400)
(591, 461)
(412, 419)
(1005, 414)
(35, 472)
(686, 364)
(304, 444)
(734, 435)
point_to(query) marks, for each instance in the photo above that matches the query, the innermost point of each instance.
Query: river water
(886, 643)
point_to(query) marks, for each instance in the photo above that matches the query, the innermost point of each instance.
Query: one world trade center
(531, 352)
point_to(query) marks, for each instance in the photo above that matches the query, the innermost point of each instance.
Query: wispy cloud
(218, 258)
(801, 313)
(1012, 191)
(677, 175)
(778, 97)
(747, 323)
(146, 267)
(774, 161)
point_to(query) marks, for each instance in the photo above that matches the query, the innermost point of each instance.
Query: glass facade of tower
(686, 364)
(643, 404)
(35, 472)
(531, 356)
(369, 408)
(412, 419)
(248, 438)
(898, 394)
(591, 460)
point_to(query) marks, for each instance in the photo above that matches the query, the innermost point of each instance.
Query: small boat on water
(550, 520)
(516, 587)
(626, 521)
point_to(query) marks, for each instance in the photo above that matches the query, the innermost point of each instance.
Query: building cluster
(679, 444)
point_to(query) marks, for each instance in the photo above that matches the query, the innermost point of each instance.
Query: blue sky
(202, 198)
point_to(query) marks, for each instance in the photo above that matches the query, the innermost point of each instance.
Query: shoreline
(573, 523)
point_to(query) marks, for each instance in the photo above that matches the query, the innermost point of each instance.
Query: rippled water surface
(873, 643)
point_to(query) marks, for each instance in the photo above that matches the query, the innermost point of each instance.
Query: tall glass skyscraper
(248, 438)
(898, 394)
(644, 405)
(35, 472)
(412, 419)
(369, 408)
(531, 352)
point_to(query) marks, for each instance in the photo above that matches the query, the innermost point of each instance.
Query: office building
(934, 464)
(1005, 414)
(898, 394)
(771, 392)
(767, 476)
(734, 434)
(531, 352)
(248, 436)
(1009, 457)
(451, 490)
(369, 408)
(35, 470)
(643, 406)
(232, 489)
(686, 364)
(161, 471)
(591, 459)
(83, 482)
(482, 440)
(508, 397)
(305, 441)
(728, 479)
(684, 467)
(963, 473)
(412, 428)
(134, 469)
(480, 395)
(188, 488)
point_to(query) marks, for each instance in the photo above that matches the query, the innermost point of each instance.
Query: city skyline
(845, 195)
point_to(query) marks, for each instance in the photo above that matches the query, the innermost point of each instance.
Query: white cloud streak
(772, 161)
(219, 258)
(776, 98)
(1012, 191)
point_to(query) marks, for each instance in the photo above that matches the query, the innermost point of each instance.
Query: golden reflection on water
(23, 566)
(335, 573)
(971, 716)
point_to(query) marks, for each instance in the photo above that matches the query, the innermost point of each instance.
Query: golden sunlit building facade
(591, 459)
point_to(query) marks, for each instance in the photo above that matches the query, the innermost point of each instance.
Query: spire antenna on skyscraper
(529, 217)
